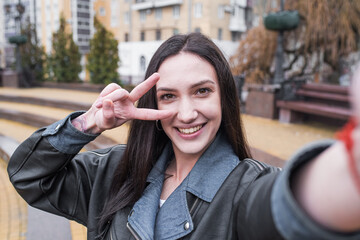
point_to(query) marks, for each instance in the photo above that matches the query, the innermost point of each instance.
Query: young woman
(186, 172)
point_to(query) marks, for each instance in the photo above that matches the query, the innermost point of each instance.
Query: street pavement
(18, 221)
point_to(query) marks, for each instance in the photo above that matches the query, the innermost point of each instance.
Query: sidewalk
(269, 136)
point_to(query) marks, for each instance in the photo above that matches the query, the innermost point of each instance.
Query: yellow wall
(209, 23)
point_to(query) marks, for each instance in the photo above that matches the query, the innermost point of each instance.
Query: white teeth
(190, 130)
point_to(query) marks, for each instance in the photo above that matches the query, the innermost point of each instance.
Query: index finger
(151, 114)
(143, 87)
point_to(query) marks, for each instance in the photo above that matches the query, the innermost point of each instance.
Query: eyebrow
(192, 86)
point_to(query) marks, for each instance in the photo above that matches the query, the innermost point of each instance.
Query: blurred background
(292, 62)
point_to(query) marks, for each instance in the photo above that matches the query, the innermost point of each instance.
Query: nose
(187, 111)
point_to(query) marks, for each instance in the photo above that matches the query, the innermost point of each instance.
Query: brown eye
(167, 96)
(203, 91)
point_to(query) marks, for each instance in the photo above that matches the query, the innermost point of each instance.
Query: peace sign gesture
(115, 106)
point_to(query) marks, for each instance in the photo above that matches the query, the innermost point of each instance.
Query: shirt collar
(212, 168)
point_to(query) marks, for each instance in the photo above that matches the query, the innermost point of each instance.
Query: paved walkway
(16, 219)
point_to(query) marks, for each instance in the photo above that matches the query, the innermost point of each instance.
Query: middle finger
(117, 95)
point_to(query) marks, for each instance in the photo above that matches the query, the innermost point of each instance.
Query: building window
(158, 13)
(142, 64)
(87, 15)
(142, 36)
(198, 10)
(158, 35)
(102, 11)
(221, 12)
(235, 36)
(175, 31)
(197, 30)
(142, 15)
(126, 37)
(176, 12)
(220, 33)
(127, 18)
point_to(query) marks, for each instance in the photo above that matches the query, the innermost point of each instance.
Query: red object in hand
(345, 136)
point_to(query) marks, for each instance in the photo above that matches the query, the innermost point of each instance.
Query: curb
(40, 225)
(46, 102)
(41, 121)
(7, 147)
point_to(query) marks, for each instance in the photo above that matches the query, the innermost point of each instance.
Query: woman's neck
(175, 173)
(180, 167)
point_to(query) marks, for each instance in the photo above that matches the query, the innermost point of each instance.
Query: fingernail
(98, 104)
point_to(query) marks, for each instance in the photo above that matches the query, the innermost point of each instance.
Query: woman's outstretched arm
(327, 188)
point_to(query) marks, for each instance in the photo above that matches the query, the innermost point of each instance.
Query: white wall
(130, 54)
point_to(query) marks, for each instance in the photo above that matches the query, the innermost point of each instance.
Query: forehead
(185, 69)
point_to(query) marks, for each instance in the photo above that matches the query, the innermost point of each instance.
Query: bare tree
(328, 31)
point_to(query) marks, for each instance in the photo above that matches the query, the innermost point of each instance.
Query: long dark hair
(145, 142)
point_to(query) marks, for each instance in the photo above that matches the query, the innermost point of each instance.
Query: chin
(192, 149)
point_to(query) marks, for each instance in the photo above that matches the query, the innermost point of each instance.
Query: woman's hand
(326, 187)
(115, 106)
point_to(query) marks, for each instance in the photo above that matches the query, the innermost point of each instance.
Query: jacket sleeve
(254, 220)
(49, 174)
(290, 219)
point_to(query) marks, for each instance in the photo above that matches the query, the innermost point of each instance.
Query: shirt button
(186, 225)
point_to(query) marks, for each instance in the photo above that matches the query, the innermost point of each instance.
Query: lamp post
(16, 12)
(279, 55)
(281, 21)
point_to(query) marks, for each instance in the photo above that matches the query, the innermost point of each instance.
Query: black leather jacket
(76, 185)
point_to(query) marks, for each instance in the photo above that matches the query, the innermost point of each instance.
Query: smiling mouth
(190, 130)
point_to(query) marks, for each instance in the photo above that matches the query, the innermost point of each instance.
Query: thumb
(108, 112)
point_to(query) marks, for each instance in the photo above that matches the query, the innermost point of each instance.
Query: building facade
(45, 15)
(2, 36)
(78, 15)
(141, 26)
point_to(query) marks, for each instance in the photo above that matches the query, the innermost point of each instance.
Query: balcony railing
(155, 4)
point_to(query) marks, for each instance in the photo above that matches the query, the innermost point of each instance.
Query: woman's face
(189, 86)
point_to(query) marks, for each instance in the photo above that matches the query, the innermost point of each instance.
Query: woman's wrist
(85, 123)
(348, 135)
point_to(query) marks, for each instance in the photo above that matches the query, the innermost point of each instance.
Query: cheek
(213, 112)
(166, 123)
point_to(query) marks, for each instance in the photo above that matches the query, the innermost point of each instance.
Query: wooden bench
(325, 101)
